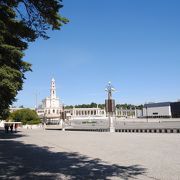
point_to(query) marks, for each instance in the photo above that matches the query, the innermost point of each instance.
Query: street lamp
(146, 113)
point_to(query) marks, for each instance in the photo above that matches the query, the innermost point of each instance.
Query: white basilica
(51, 106)
(52, 109)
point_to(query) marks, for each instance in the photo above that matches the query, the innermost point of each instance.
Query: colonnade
(79, 112)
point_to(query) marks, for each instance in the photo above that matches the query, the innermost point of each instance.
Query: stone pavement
(53, 154)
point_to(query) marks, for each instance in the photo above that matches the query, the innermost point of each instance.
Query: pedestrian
(5, 127)
(11, 127)
(16, 126)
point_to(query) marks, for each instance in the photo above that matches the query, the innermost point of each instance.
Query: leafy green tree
(93, 105)
(128, 106)
(139, 107)
(102, 106)
(26, 116)
(68, 107)
(21, 22)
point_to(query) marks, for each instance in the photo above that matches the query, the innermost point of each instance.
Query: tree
(21, 22)
(128, 106)
(26, 116)
(68, 107)
(92, 105)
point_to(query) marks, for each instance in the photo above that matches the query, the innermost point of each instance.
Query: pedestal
(111, 128)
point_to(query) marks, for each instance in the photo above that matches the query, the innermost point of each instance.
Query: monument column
(110, 106)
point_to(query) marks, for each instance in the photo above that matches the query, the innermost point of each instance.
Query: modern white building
(157, 110)
(51, 106)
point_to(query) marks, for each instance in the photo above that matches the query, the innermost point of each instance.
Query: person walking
(16, 126)
(5, 127)
(11, 127)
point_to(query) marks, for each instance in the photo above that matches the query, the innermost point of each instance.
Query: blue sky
(135, 44)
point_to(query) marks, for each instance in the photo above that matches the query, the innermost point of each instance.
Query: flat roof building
(157, 110)
(162, 110)
(175, 109)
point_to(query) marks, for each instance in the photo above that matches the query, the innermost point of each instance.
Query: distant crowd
(10, 127)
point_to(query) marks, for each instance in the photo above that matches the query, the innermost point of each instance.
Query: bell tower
(53, 89)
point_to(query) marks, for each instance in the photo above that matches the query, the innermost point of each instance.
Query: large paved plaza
(53, 154)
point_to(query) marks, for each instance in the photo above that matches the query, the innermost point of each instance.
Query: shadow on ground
(10, 135)
(22, 161)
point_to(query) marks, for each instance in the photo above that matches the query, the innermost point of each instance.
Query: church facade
(51, 107)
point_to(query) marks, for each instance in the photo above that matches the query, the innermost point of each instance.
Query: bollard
(174, 130)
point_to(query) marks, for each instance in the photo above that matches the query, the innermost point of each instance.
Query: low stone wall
(129, 130)
(147, 120)
(2, 123)
(148, 130)
(92, 130)
(132, 127)
(32, 126)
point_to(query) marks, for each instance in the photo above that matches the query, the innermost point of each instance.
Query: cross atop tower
(53, 89)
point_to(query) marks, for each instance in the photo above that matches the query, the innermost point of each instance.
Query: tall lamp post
(110, 106)
(63, 117)
(146, 113)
